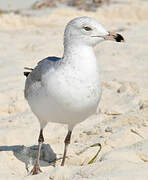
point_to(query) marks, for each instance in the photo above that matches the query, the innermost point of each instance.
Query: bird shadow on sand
(28, 155)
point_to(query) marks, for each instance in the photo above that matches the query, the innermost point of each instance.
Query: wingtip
(26, 74)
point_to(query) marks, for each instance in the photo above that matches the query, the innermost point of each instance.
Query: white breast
(74, 86)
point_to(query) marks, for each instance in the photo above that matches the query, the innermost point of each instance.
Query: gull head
(87, 31)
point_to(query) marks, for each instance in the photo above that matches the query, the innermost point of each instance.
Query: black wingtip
(26, 74)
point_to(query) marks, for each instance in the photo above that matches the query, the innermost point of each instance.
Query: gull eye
(87, 28)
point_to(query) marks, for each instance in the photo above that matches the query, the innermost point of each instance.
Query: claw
(36, 170)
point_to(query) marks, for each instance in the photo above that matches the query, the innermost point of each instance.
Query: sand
(121, 124)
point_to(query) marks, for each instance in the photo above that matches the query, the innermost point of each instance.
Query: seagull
(68, 89)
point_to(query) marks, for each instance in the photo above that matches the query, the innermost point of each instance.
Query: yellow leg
(67, 142)
(36, 169)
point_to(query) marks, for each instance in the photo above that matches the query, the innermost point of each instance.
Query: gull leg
(67, 142)
(36, 169)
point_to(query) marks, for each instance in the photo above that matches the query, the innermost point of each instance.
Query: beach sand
(121, 124)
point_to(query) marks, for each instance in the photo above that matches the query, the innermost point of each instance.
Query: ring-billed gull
(68, 89)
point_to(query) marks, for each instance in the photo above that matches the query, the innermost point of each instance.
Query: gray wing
(34, 77)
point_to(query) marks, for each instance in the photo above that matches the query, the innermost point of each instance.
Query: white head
(86, 30)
